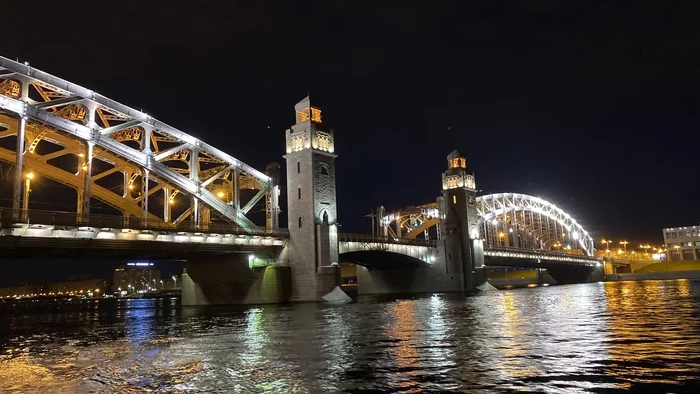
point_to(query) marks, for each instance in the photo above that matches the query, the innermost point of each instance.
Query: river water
(597, 337)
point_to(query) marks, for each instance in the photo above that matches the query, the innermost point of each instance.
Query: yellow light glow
(30, 175)
(220, 194)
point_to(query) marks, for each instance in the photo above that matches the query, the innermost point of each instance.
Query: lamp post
(174, 282)
(624, 245)
(607, 245)
(27, 189)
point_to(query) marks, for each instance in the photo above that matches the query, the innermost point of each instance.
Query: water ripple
(630, 336)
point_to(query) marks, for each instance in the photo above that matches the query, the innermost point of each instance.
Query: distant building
(95, 286)
(682, 243)
(135, 277)
(20, 291)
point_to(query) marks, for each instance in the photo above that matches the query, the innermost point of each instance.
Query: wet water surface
(581, 338)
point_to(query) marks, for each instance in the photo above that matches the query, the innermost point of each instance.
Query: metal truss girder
(216, 176)
(415, 231)
(140, 158)
(61, 88)
(169, 152)
(253, 201)
(495, 205)
(107, 196)
(498, 205)
(58, 102)
(119, 127)
(69, 87)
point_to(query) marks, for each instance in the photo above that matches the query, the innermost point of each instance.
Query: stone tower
(460, 225)
(311, 205)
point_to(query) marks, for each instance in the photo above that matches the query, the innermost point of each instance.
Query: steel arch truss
(508, 220)
(43, 108)
(523, 221)
(411, 222)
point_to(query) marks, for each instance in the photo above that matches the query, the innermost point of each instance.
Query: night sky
(592, 105)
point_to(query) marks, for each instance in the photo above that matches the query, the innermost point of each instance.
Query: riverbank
(667, 275)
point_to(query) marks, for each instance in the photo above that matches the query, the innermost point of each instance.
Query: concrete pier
(231, 280)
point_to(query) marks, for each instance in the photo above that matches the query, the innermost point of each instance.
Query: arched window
(299, 221)
(324, 170)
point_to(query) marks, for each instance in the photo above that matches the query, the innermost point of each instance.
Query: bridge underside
(39, 248)
(561, 271)
(381, 260)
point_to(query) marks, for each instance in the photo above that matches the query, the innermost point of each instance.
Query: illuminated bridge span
(177, 197)
(506, 220)
(122, 157)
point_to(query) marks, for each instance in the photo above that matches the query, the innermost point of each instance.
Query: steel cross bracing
(91, 126)
(505, 220)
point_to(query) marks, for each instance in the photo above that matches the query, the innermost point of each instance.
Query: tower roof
(304, 103)
(455, 154)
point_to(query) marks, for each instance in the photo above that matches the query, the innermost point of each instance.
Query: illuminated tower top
(307, 133)
(306, 111)
(457, 174)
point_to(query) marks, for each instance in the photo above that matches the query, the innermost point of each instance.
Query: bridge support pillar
(17, 187)
(436, 276)
(234, 279)
(311, 209)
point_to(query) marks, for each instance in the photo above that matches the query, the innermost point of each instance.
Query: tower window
(299, 221)
(324, 170)
(299, 192)
(298, 167)
(454, 199)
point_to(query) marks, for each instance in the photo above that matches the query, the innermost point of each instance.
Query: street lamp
(607, 243)
(174, 281)
(27, 189)
(624, 244)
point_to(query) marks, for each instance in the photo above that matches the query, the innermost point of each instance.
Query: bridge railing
(349, 237)
(539, 252)
(10, 218)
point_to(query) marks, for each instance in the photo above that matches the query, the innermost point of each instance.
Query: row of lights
(70, 293)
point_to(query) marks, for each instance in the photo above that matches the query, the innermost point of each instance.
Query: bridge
(171, 194)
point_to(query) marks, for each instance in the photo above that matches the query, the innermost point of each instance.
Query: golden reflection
(515, 364)
(22, 375)
(402, 331)
(649, 323)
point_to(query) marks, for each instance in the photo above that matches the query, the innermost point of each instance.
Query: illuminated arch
(414, 221)
(493, 206)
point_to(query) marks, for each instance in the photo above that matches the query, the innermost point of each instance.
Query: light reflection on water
(580, 338)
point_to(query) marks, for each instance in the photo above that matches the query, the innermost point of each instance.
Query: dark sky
(592, 105)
